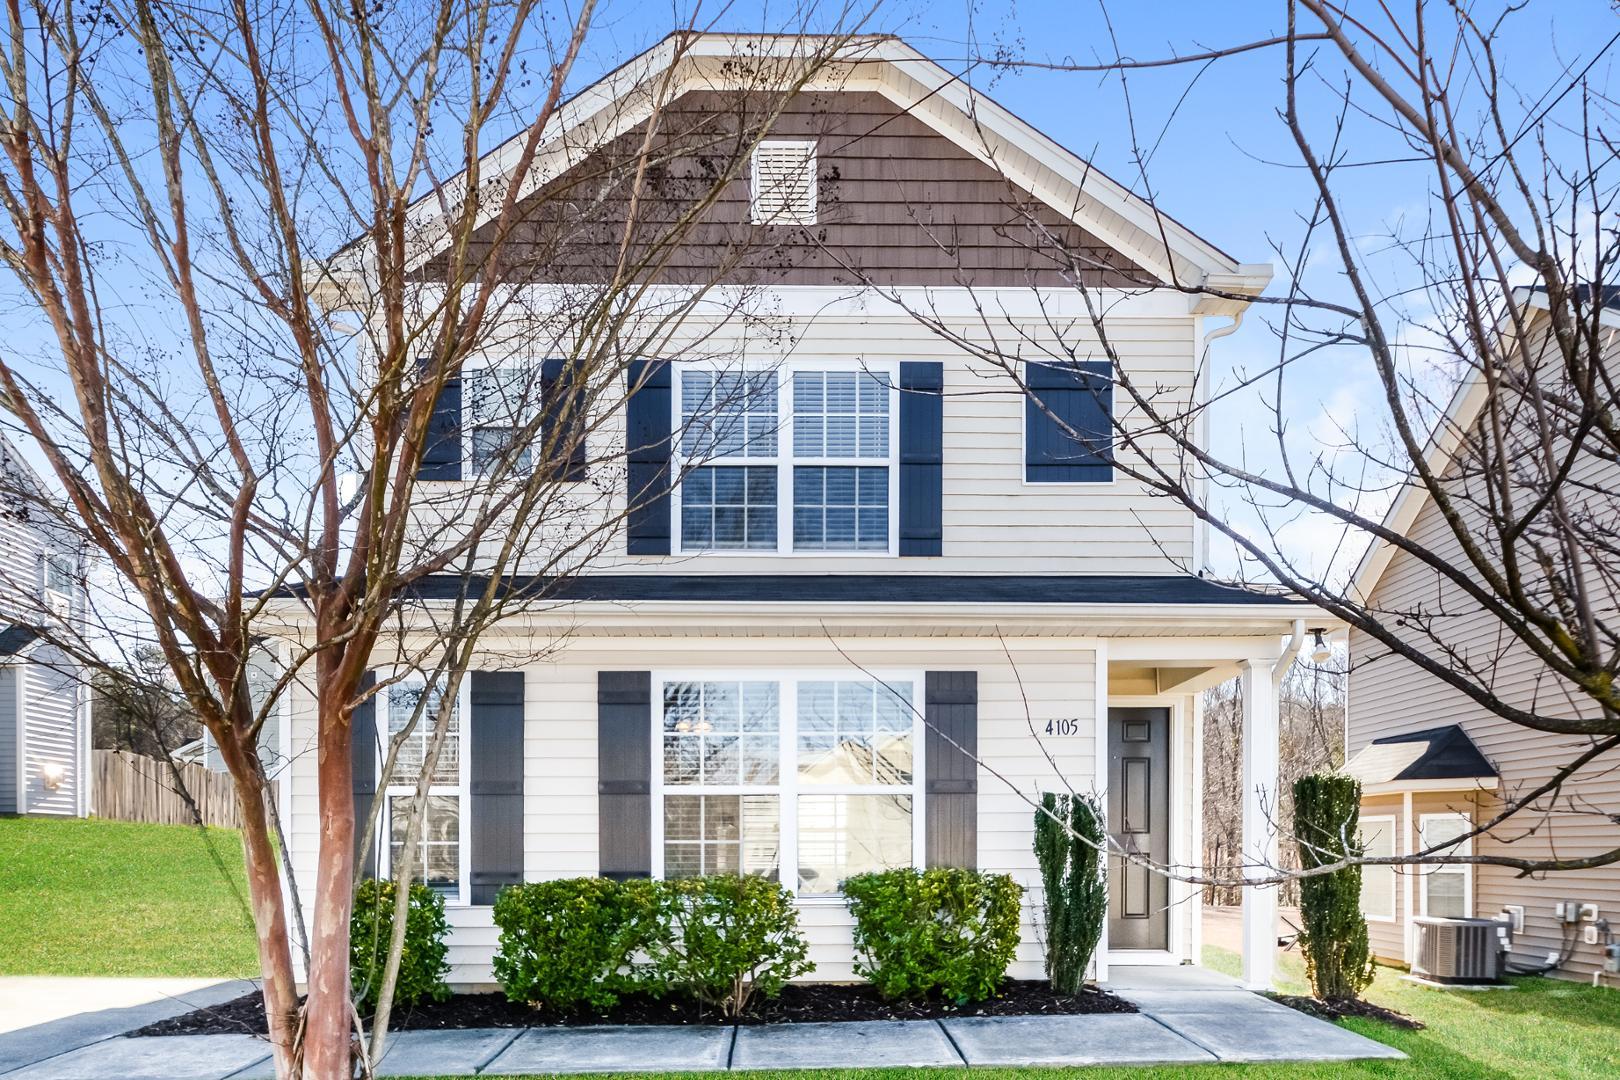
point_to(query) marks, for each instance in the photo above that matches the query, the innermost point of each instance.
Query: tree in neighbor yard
(1497, 278)
(240, 418)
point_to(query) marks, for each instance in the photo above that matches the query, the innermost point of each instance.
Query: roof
(1447, 437)
(17, 637)
(624, 98)
(953, 589)
(1442, 753)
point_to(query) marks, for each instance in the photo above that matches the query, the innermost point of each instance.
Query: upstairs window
(502, 404)
(60, 574)
(782, 189)
(817, 475)
(1069, 423)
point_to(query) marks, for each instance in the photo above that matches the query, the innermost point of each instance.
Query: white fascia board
(857, 301)
(1463, 784)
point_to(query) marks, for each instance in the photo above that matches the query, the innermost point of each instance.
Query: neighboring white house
(873, 633)
(44, 700)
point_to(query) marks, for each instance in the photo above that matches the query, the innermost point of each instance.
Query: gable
(898, 202)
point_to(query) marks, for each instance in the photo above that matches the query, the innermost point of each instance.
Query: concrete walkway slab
(1101, 1039)
(1156, 1002)
(871, 1044)
(172, 1057)
(615, 1049)
(90, 1010)
(1123, 977)
(1264, 1035)
(452, 1052)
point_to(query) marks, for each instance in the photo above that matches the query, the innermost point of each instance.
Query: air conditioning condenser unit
(1460, 950)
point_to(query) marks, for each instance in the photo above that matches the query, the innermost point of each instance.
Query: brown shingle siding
(899, 204)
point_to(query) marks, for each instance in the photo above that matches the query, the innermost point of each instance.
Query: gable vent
(783, 186)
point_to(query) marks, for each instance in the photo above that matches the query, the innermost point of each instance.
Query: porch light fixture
(1320, 653)
(51, 774)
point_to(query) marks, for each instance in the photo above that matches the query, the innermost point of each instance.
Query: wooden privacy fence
(131, 787)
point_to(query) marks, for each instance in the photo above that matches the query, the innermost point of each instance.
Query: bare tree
(240, 421)
(1492, 347)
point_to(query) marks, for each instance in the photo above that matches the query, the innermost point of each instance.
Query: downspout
(1285, 662)
(1202, 394)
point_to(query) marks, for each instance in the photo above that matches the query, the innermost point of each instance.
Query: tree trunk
(269, 908)
(327, 1031)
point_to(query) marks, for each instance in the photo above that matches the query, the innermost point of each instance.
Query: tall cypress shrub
(1074, 873)
(1333, 933)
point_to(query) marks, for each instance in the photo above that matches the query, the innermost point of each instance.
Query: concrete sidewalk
(1188, 1016)
(44, 1016)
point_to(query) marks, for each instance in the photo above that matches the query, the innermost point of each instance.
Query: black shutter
(647, 446)
(363, 753)
(1081, 395)
(495, 782)
(922, 428)
(951, 787)
(562, 420)
(441, 457)
(624, 773)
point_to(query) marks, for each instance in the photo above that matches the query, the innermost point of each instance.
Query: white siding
(8, 739)
(50, 712)
(992, 521)
(1057, 680)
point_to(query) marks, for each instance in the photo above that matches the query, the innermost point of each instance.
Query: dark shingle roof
(1442, 753)
(874, 588)
(17, 637)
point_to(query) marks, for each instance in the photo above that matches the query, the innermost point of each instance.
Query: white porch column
(1260, 767)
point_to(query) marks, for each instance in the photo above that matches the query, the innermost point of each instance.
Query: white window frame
(754, 190)
(462, 790)
(787, 788)
(784, 461)
(1463, 847)
(1386, 827)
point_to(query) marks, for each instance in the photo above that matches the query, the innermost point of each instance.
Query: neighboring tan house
(44, 700)
(1432, 761)
(869, 632)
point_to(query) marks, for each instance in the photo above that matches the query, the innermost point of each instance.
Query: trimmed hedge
(573, 942)
(720, 940)
(729, 938)
(422, 962)
(944, 932)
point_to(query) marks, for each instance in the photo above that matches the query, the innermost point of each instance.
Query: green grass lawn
(1543, 1028)
(117, 898)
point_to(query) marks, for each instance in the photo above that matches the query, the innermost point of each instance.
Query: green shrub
(942, 931)
(728, 938)
(422, 963)
(1333, 933)
(574, 942)
(1071, 844)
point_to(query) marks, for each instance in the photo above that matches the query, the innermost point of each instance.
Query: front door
(1139, 821)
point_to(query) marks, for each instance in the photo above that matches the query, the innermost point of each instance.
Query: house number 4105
(1066, 726)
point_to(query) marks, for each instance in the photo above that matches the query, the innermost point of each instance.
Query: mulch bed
(800, 1003)
(1339, 1010)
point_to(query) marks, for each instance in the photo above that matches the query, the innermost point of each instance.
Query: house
(892, 603)
(44, 698)
(1434, 764)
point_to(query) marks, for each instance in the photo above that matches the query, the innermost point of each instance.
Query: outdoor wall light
(51, 774)
(1320, 653)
